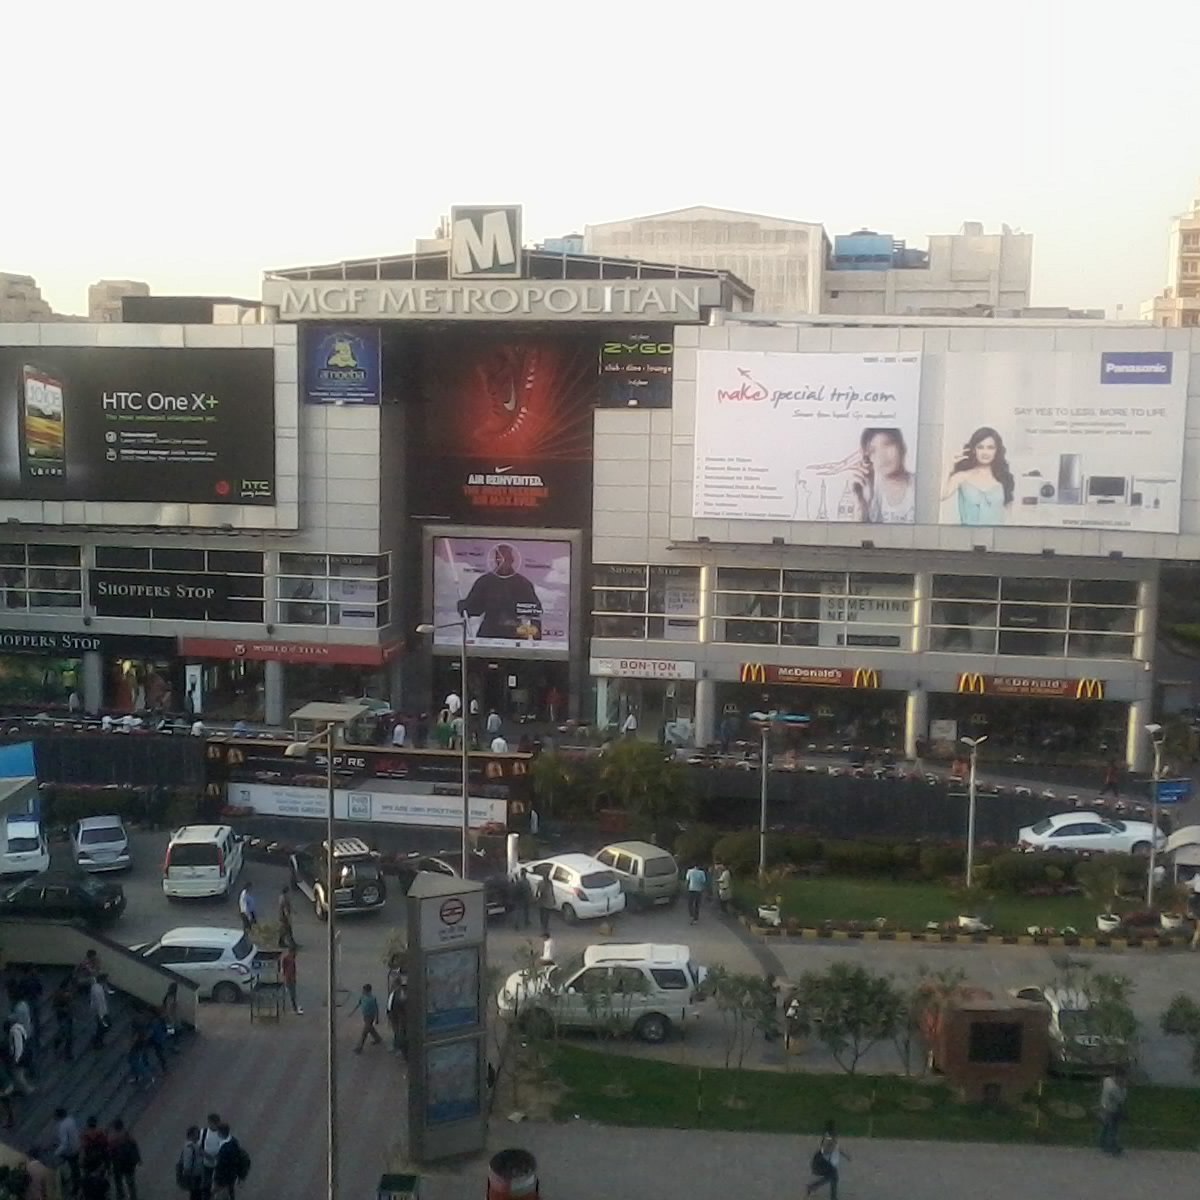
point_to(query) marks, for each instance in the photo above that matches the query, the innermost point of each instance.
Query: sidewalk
(590, 1162)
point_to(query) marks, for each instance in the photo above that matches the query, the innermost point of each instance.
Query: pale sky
(194, 145)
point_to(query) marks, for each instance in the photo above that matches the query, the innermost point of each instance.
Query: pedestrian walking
(233, 1165)
(521, 897)
(287, 969)
(93, 1146)
(499, 744)
(368, 1005)
(547, 950)
(1112, 781)
(17, 1043)
(724, 887)
(494, 724)
(98, 1006)
(210, 1144)
(62, 1005)
(399, 733)
(397, 1012)
(827, 1162)
(136, 1056)
(629, 726)
(696, 881)
(247, 907)
(170, 1008)
(286, 936)
(157, 1038)
(1113, 1095)
(125, 1157)
(545, 902)
(68, 1144)
(32, 991)
(189, 1166)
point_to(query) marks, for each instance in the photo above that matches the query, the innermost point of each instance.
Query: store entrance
(522, 692)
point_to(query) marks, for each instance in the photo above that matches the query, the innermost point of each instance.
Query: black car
(492, 874)
(64, 898)
(358, 879)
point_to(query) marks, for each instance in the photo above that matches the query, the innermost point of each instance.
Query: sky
(196, 145)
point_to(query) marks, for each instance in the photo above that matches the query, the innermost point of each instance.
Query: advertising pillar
(447, 1018)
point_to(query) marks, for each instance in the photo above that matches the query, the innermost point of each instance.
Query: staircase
(94, 1082)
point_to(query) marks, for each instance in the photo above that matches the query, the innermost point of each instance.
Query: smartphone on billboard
(43, 425)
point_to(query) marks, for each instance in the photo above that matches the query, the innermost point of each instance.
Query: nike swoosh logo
(503, 470)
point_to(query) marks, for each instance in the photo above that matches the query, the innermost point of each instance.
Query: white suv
(26, 851)
(202, 860)
(633, 987)
(583, 886)
(220, 962)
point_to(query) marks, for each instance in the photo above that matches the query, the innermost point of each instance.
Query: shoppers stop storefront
(843, 704)
(1039, 718)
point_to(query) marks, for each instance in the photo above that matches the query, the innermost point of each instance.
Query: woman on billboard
(982, 480)
(881, 490)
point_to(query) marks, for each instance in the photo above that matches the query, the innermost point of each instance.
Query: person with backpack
(210, 1147)
(126, 1157)
(232, 1167)
(189, 1166)
(826, 1162)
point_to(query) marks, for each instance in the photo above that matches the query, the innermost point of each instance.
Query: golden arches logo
(865, 677)
(1089, 689)
(753, 673)
(972, 682)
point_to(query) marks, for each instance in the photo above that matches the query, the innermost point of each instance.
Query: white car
(220, 962)
(1074, 1045)
(640, 988)
(583, 886)
(26, 851)
(1090, 832)
(100, 844)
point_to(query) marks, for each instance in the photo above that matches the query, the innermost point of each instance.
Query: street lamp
(461, 626)
(335, 718)
(974, 744)
(764, 721)
(1156, 738)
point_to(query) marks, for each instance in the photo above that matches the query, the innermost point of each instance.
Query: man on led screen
(505, 599)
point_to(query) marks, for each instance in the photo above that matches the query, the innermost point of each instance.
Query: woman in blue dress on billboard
(982, 479)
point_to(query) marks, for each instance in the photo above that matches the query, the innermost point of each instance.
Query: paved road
(587, 1162)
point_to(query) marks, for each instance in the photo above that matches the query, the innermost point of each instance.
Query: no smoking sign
(452, 911)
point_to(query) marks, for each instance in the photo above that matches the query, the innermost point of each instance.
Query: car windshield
(660, 866)
(1074, 1022)
(560, 974)
(242, 948)
(20, 844)
(597, 879)
(1041, 826)
(101, 834)
(93, 887)
(194, 854)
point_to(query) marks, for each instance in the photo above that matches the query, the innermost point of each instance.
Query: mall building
(629, 492)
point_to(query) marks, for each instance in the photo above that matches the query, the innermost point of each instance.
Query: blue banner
(16, 760)
(1136, 366)
(1174, 791)
(341, 364)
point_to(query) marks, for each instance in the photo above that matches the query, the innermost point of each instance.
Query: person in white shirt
(247, 907)
(98, 1004)
(494, 724)
(499, 745)
(399, 734)
(473, 707)
(453, 703)
(17, 1039)
(547, 950)
(211, 1142)
(630, 725)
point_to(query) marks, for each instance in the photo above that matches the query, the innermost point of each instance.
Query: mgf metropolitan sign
(517, 300)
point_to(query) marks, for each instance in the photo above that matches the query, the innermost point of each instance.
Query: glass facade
(235, 577)
(646, 602)
(41, 579)
(348, 590)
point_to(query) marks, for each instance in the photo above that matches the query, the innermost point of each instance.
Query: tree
(557, 785)
(928, 995)
(1106, 1013)
(849, 1010)
(640, 778)
(1182, 1019)
(746, 1003)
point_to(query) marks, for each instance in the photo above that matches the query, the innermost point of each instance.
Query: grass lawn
(668, 1095)
(913, 905)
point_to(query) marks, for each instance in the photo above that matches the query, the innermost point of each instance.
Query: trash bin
(512, 1175)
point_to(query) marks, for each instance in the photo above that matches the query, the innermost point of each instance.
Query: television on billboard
(1064, 440)
(806, 437)
(114, 423)
(515, 593)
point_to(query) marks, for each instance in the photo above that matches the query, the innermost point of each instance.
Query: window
(561, 875)
(349, 590)
(594, 979)
(996, 1042)
(646, 602)
(660, 866)
(607, 857)
(628, 981)
(670, 978)
(46, 578)
(1031, 617)
(203, 954)
(597, 879)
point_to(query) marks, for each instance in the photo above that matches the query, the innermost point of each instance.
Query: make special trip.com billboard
(144, 425)
(806, 437)
(515, 593)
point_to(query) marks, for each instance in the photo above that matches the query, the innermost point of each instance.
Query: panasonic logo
(1136, 366)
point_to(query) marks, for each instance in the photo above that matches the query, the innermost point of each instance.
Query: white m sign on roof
(485, 243)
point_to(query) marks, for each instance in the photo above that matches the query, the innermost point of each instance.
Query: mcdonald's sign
(865, 677)
(974, 683)
(847, 677)
(753, 673)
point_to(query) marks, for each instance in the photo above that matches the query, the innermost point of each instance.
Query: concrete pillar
(276, 700)
(601, 701)
(916, 720)
(1138, 752)
(922, 591)
(706, 712)
(91, 684)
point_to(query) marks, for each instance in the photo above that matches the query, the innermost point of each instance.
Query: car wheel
(538, 1023)
(319, 905)
(569, 914)
(1141, 849)
(371, 895)
(652, 1028)
(227, 993)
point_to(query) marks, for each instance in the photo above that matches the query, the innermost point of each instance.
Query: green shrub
(906, 859)
(859, 858)
(739, 851)
(1013, 871)
(697, 844)
(939, 862)
(799, 850)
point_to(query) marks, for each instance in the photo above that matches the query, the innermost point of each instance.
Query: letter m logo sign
(485, 243)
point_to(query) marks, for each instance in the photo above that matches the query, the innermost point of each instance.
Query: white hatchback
(1084, 831)
(220, 962)
(26, 851)
(583, 886)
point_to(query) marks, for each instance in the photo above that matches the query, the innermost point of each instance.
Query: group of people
(212, 1162)
(367, 1005)
(98, 1162)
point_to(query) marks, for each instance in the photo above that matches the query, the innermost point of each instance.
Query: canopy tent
(1184, 846)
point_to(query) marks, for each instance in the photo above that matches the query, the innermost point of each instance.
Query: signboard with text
(341, 364)
(975, 683)
(847, 677)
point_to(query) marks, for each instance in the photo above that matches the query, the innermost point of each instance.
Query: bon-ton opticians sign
(643, 668)
(973, 683)
(486, 300)
(846, 677)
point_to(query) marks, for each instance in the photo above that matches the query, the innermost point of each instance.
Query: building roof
(700, 212)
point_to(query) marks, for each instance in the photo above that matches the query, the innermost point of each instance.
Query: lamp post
(762, 801)
(461, 626)
(1156, 738)
(336, 717)
(973, 744)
